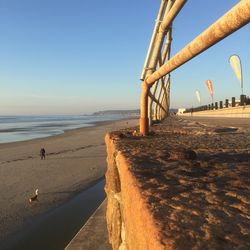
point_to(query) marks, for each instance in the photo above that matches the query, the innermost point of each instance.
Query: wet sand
(74, 161)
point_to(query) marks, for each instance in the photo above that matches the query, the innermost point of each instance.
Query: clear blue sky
(79, 56)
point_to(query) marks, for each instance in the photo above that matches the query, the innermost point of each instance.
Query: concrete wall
(239, 112)
(130, 223)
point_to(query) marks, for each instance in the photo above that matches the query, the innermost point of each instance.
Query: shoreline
(86, 125)
(75, 159)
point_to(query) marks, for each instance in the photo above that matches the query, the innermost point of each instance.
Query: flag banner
(198, 96)
(210, 87)
(236, 65)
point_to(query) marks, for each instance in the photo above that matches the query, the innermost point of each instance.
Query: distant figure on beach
(42, 153)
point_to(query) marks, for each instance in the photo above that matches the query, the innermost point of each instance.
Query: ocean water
(21, 128)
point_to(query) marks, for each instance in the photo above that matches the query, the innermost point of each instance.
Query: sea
(22, 128)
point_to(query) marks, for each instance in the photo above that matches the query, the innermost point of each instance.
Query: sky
(79, 56)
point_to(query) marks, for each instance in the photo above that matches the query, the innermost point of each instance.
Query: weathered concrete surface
(162, 197)
(93, 235)
(130, 224)
(234, 112)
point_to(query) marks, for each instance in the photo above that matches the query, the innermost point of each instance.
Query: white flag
(198, 96)
(236, 65)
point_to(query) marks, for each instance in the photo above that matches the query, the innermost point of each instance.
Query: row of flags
(210, 90)
(235, 63)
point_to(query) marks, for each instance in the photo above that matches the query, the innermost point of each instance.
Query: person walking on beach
(42, 153)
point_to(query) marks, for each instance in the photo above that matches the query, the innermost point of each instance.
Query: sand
(74, 161)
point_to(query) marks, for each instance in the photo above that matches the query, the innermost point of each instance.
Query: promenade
(222, 121)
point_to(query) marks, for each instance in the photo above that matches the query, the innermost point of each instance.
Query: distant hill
(135, 112)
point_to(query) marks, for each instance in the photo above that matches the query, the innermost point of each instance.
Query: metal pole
(165, 54)
(165, 83)
(157, 24)
(156, 105)
(168, 97)
(144, 129)
(155, 100)
(168, 18)
(162, 94)
(241, 83)
(159, 97)
(163, 113)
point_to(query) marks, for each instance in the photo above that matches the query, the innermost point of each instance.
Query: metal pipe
(164, 104)
(165, 95)
(157, 24)
(166, 50)
(168, 92)
(159, 97)
(144, 129)
(165, 54)
(157, 106)
(156, 101)
(168, 18)
(173, 12)
(233, 20)
(160, 94)
(151, 100)
(161, 110)
(167, 99)
(155, 55)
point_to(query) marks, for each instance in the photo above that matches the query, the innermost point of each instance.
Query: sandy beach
(74, 161)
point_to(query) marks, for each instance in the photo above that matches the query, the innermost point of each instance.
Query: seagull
(34, 198)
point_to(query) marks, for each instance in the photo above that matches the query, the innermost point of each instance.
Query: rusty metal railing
(158, 65)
